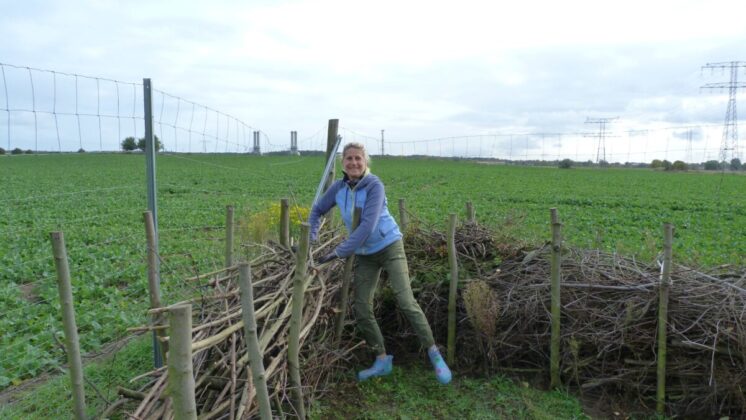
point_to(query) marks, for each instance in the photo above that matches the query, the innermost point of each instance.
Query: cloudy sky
(418, 69)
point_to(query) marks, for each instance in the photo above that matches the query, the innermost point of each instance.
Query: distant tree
(667, 165)
(712, 165)
(129, 144)
(735, 164)
(656, 163)
(679, 165)
(566, 163)
(16, 151)
(158, 145)
(603, 163)
(2, 151)
(81, 150)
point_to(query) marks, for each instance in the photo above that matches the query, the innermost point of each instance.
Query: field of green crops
(97, 200)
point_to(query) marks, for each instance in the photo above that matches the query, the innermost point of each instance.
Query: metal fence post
(150, 149)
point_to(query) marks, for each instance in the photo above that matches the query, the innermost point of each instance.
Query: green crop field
(98, 200)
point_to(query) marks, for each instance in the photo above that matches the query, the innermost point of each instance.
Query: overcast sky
(418, 69)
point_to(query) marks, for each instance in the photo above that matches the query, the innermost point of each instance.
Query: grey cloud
(696, 134)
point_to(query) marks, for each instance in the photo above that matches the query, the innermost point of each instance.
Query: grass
(411, 392)
(618, 210)
(52, 398)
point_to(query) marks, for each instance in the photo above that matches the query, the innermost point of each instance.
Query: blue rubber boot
(441, 368)
(381, 367)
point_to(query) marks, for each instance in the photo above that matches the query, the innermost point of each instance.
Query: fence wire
(51, 111)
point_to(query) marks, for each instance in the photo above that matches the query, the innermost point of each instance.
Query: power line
(689, 147)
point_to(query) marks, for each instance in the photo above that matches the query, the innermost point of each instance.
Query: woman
(377, 244)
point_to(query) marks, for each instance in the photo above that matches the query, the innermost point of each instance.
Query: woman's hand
(326, 258)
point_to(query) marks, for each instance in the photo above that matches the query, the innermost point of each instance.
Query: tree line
(129, 144)
(711, 165)
(666, 165)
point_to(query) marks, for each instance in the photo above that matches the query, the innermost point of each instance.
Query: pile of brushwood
(223, 383)
(609, 321)
(609, 327)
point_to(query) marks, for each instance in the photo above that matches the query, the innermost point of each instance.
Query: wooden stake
(403, 217)
(554, 363)
(160, 347)
(453, 262)
(470, 214)
(344, 295)
(72, 343)
(180, 376)
(229, 236)
(299, 282)
(252, 341)
(331, 140)
(285, 222)
(663, 316)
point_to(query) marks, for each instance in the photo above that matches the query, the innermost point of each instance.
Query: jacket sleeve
(368, 221)
(320, 208)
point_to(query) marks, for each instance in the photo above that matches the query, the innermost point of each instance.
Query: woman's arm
(321, 207)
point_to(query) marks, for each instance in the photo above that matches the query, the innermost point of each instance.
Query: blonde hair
(359, 146)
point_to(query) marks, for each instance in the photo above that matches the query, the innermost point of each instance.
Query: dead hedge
(609, 327)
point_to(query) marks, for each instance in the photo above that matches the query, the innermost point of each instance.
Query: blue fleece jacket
(377, 228)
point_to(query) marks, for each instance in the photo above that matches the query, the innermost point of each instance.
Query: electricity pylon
(730, 126)
(601, 151)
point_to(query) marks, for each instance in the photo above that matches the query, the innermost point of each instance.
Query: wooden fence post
(403, 217)
(296, 316)
(453, 262)
(331, 140)
(72, 343)
(470, 214)
(180, 376)
(160, 348)
(229, 236)
(252, 341)
(344, 295)
(285, 222)
(556, 301)
(665, 282)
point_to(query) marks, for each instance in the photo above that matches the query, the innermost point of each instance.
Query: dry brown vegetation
(609, 324)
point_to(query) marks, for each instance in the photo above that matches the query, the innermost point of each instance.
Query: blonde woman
(377, 245)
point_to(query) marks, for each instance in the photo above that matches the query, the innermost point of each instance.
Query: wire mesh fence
(50, 111)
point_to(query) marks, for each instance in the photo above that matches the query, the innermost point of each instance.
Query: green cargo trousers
(367, 273)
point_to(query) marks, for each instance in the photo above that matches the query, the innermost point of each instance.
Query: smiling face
(354, 163)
